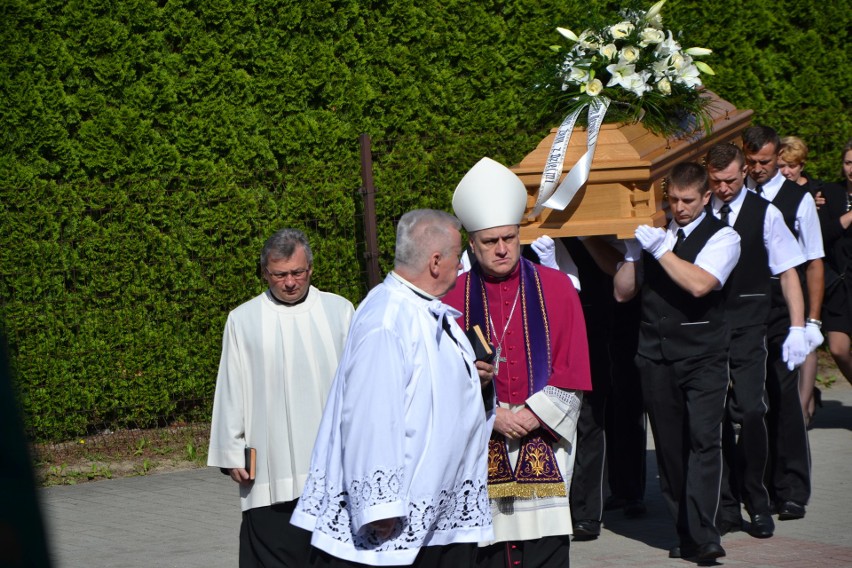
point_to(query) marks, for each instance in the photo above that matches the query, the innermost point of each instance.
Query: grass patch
(122, 453)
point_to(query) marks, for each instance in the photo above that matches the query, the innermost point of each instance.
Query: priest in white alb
(399, 470)
(279, 353)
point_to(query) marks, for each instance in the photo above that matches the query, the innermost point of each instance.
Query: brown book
(251, 462)
(482, 349)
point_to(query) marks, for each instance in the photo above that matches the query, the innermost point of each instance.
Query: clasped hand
(515, 425)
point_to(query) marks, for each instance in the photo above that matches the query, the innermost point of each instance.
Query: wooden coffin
(626, 186)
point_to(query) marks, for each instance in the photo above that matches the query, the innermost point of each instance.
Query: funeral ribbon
(560, 197)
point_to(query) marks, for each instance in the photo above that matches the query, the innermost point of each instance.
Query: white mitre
(489, 195)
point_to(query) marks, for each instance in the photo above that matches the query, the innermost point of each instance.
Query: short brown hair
(720, 156)
(756, 137)
(689, 174)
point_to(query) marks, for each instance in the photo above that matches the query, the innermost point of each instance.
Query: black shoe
(790, 510)
(614, 502)
(762, 525)
(730, 526)
(709, 551)
(587, 530)
(635, 509)
(675, 552)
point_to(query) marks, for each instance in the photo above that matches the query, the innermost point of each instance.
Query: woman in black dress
(792, 156)
(836, 221)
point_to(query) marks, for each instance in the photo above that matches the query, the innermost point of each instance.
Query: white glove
(545, 248)
(795, 348)
(653, 240)
(633, 250)
(813, 335)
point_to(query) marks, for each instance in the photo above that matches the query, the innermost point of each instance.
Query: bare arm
(604, 255)
(624, 283)
(815, 277)
(792, 289)
(688, 276)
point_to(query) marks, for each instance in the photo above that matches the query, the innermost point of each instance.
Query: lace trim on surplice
(464, 506)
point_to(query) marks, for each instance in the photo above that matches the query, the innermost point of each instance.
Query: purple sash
(536, 329)
(536, 473)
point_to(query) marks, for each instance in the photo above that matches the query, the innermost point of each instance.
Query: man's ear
(434, 263)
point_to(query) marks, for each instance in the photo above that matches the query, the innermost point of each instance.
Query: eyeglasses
(297, 274)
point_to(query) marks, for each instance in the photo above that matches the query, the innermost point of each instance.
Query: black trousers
(746, 457)
(685, 401)
(626, 433)
(788, 475)
(586, 495)
(547, 552)
(268, 539)
(459, 555)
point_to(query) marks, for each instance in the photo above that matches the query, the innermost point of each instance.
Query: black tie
(759, 189)
(725, 211)
(680, 239)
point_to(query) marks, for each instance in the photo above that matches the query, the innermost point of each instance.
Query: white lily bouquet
(631, 71)
(641, 68)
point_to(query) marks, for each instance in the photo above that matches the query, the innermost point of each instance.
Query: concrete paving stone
(189, 519)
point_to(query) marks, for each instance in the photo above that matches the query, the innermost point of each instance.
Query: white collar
(687, 229)
(735, 204)
(422, 293)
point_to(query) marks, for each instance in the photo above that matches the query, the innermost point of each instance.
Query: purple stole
(536, 473)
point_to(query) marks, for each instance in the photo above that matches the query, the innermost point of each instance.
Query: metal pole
(371, 241)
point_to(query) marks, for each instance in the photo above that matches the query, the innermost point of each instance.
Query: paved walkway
(191, 518)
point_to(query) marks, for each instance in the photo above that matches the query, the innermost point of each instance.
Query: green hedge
(148, 148)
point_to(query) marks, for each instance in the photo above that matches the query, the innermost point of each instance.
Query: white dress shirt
(807, 222)
(781, 246)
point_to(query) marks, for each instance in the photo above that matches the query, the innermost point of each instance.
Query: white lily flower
(578, 75)
(654, 10)
(689, 76)
(668, 46)
(704, 68)
(568, 34)
(698, 51)
(636, 83)
(664, 86)
(630, 53)
(619, 72)
(661, 68)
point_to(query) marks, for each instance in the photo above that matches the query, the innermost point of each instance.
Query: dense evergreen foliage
(149, 146)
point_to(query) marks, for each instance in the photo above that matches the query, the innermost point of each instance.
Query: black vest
(747, 289)
(676, 325)
(787, 200)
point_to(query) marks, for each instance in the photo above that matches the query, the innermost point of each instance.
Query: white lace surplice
(404, 435)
